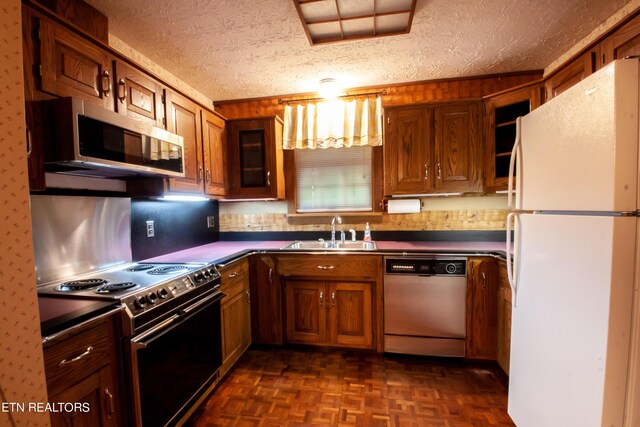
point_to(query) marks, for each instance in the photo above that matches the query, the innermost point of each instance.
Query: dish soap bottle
(367, 233)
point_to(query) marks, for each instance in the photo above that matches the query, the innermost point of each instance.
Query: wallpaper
(233, 49)
(21, 364)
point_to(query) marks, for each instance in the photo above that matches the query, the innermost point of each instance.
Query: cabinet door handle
(29, 143)
(65, 362)
(439, 172)
(248, 297)
(122, 91)
(426, 171)
(208, 175)
(484, 280)
(333, 299)
(321, 298)
(268, 179)
(232, 275)
(110, 406)
(271, 275)
(326, 267)
(106, 83)
(200, 174)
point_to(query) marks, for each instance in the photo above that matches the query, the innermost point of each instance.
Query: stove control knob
(163, 293)
(198, 277)
(205, 273)
(152, 297)
(140, 302)
(212, 272)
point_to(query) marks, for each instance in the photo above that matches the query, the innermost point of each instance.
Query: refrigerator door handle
(512, 261)
(512, 164)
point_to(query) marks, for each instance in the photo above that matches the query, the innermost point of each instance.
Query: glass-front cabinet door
(255, 158)
(252, 158)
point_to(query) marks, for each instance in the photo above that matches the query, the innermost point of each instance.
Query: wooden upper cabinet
(625, 41)
(183, 118)
(458, 147)
(72, 66)
(407, 151)
(255, 158)
(501, 112)
(569, 75)
(213, 128)
(138, 95)
(433, 149)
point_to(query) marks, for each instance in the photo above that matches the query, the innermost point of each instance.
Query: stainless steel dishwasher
(425, 305)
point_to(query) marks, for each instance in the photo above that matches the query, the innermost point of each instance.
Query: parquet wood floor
(296, 387)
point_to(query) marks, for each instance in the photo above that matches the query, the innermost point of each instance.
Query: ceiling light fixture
(329, 88)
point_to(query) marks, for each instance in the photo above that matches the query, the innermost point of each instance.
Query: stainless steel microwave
(88, 140)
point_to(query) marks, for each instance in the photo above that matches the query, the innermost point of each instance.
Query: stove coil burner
(139, 267)
(79, 285)
(168, 269)
(115, 287)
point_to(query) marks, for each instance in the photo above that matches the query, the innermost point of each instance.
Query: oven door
(174, 362)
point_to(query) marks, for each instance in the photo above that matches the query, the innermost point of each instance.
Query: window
(334, 180)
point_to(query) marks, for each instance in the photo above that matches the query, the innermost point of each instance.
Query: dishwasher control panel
(426, 266)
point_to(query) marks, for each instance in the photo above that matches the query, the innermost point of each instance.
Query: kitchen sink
(358, 245)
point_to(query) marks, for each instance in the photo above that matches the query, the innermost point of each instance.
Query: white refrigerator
(575, 326)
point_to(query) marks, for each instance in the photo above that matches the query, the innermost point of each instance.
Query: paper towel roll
(404, 206)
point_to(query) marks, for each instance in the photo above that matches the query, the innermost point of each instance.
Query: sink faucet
(333, 228)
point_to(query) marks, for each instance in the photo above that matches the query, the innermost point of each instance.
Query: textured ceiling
(233, 49)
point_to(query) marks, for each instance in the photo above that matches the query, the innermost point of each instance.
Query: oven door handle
(139, 342)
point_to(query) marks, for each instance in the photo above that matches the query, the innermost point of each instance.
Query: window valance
(335, 123)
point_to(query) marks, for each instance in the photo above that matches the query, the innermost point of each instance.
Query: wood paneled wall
(397, 94)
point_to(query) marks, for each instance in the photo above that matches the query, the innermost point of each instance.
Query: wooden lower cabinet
(81, 367)
(482, 310)
(504, 319)
(332, 300)
(351, 319)
(266, 310)
(93, 395)
(329, 313)
(235, 313)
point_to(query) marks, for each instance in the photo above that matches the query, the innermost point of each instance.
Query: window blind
(333, 179)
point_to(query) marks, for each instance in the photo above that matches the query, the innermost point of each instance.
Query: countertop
(57, 314)
(224, 252)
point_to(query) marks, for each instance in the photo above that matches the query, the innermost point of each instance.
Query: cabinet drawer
(75, 357)
(362, 267)
(234, 277)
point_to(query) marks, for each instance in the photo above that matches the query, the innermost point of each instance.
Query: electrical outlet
(151, 230)
(211, 221)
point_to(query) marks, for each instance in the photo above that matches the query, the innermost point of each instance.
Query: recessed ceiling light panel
(326, 21)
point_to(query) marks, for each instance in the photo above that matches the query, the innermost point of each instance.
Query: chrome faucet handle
(342, 236)
(353, 234)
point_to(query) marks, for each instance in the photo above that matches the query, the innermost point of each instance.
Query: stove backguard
(74, 235)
